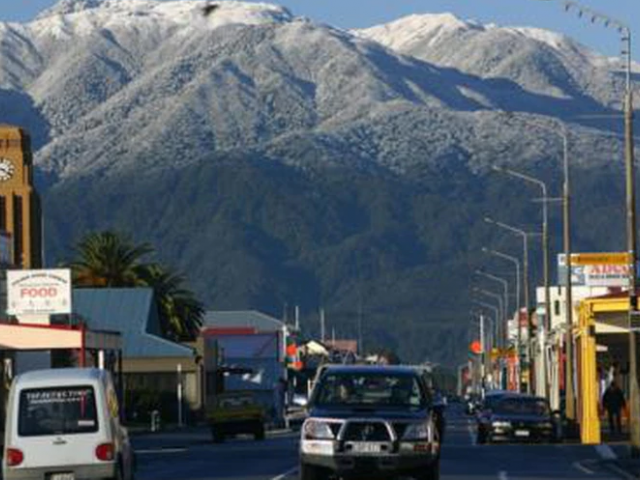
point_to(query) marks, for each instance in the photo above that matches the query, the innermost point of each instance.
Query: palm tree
(108, 259)
(180, 312)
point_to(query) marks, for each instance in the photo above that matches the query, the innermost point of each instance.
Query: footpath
(616, 454)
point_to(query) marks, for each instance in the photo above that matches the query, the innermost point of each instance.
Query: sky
(548, 14)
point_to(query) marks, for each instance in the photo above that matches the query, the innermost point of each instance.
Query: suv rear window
(57, 411)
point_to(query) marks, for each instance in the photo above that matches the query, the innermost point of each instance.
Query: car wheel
(311, 472)
(259, 432)
(432, 473)
(217, 435)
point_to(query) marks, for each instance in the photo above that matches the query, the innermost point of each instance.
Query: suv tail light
(105, 452)
(14, 457)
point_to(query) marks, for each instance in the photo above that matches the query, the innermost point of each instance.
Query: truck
(241, 370)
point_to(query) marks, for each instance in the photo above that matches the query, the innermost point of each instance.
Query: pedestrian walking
(613, 402)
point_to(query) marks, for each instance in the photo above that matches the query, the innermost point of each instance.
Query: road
(191, 456)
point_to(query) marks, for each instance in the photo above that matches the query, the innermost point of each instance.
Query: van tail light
(105, 452)
(14, 457)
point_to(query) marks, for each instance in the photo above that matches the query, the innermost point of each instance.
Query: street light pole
(505, 286)
(484, 346)
(496, 317)
(525, 278)
(542, 332)
(545, 234)
(560, 129)
(496, 321)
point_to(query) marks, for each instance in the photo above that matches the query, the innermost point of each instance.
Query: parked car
(519, 418)
(64, 424)
(372, 421)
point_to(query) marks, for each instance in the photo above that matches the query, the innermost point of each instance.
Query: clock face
(6, 169)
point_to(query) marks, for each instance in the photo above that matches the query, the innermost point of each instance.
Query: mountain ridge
(280, 161)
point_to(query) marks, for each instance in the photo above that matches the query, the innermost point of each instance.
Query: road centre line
(472, 435)
(285, 474)
(580, 466)
(150, 451)
(621, 472)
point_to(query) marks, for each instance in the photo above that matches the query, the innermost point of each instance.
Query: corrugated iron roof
(133, 313)
(242, 318)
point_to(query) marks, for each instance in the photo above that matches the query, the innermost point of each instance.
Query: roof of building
(242, 318)
(133, 313)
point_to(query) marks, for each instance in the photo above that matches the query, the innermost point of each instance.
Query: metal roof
(243, 318)
(131, 311)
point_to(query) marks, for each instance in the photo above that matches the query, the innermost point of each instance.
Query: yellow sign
(615, 258)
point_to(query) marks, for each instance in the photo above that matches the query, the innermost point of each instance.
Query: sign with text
(599, 273)
(39, 292)
(588, 259)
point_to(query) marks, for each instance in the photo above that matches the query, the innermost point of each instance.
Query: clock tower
(20, 211)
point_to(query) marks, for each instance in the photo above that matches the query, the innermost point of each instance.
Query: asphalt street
(190, 455)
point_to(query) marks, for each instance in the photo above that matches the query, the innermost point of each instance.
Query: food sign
(39, 292)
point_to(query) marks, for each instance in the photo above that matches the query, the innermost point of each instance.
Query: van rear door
(59, 426)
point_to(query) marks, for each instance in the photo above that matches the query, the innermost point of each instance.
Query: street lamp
(543, 332)
(494, 295)
(545, 234)
(560, 129)
(525, 277)
(483, 348)
(516, 263)
(505, 286)
(496, 320)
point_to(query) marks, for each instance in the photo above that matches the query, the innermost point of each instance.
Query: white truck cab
(64, 424)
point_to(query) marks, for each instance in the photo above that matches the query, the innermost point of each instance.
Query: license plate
(61, 476)
(522, 433)
(365, 447)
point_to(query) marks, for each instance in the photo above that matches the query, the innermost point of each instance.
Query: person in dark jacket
(613, 402)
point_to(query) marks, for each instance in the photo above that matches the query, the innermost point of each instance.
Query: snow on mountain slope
(117, 84)
(541, 61)
(84, 17)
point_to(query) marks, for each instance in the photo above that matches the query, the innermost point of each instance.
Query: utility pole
(634, 397)
(483, 352)
(322, 326)
(570, 397)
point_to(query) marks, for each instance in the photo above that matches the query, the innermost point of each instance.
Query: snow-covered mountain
(168, 77)
(541, 61)
(278, 160)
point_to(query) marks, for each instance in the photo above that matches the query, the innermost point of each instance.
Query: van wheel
(119, 473)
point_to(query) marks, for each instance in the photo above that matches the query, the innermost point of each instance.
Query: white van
(64, 424)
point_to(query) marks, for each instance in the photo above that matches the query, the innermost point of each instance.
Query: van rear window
(57, 411)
